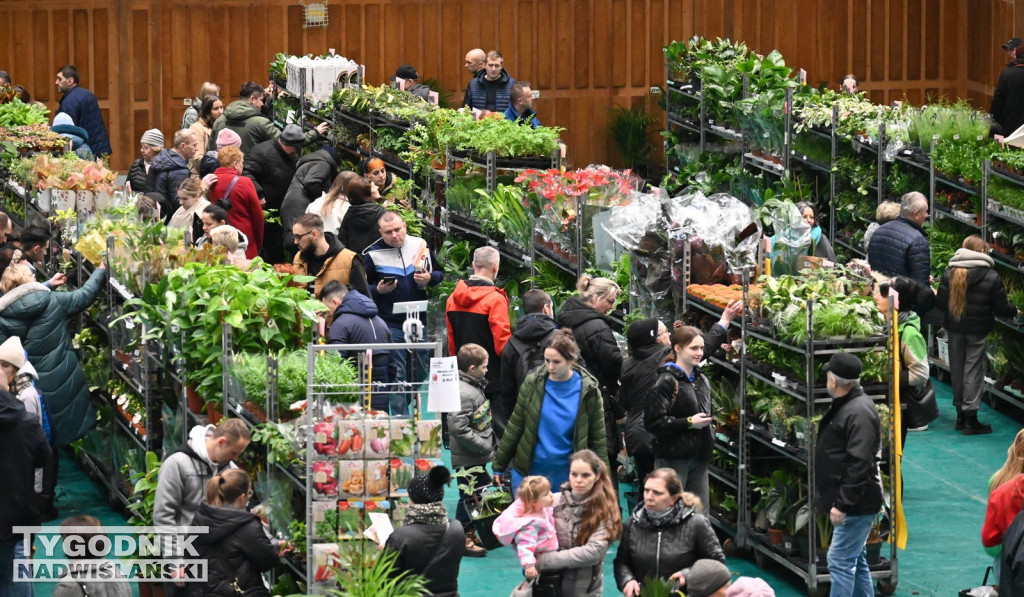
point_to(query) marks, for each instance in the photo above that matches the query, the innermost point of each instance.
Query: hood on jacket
(197, 441)
(31, 308)
(639, 516)
(969, 259)
(645, 358)
(11, 410)
(28, 369)
(503, 78)
(240, 110)
(320, 155)
(364, 217)
(168, 160)
(222, 522)
(533, 327)
(71, 131)
(469, 292)
(480, 383)
(356, 303)
(575, 313)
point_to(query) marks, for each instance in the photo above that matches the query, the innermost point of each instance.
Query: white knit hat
(12, 352)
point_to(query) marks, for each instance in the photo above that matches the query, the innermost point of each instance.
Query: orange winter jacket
(477, 312)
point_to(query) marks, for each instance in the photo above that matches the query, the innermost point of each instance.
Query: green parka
(520, 436)
(40, 318)
(250, 124)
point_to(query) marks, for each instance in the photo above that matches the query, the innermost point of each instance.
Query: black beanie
(331, 151)
(429, 488)
(642, 333)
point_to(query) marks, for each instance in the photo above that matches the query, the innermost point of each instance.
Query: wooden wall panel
(143, 58)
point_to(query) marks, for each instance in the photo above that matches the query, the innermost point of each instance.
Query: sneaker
(921, 428)
(473, 550)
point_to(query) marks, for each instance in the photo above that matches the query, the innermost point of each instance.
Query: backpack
(530, 356)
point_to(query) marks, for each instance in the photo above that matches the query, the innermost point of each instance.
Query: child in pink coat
(529, 522)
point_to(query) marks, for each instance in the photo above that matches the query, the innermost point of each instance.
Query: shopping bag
(523, 589)
(983, 591)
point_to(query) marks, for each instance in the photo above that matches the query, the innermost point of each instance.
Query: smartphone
(389, 279)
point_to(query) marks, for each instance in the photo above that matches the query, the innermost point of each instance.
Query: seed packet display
(428, 434)
(403, 437)
(382, 506)
(325, 480)
(402, 471)
(350, 438)
(423, 465)
(325, 438)
(325, 561)
(378, 439)
(351, 478)
(376, 478)
(325, 521)
(350, 518)
(399, 509)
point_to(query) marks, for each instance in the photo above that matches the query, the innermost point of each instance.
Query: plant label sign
(443, 392)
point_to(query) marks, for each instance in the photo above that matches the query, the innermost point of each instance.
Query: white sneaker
(921, 428)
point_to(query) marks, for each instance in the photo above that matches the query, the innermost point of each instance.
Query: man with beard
(322, 255)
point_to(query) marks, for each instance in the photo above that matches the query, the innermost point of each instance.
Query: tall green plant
(365, 572)
(630, 129)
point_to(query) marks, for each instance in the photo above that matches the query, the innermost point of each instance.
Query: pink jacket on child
(531, 534)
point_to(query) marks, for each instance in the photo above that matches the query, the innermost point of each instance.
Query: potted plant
(484, 505)
(876, 537)
(777, 498)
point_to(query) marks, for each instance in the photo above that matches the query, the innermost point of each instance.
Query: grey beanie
(153, 137)
(705, 577)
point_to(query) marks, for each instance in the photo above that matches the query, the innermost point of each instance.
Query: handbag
(523, 589)
(921, 406)
(983, 591)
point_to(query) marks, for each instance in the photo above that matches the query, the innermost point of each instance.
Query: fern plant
(365, 572)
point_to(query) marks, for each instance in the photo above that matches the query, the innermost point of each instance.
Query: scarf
(432, 513)
(21, 382)
(660, 519)
(968, 259)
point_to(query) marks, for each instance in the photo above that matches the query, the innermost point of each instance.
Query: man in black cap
(409, 78)
(271, 166)
(1008, 100)
(847, 481)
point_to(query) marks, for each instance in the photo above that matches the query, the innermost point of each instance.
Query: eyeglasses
(299, 237)
(664, 333)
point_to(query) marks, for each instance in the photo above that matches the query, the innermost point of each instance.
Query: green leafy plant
(144, 492)
(281, 442)
(365, 572)
(630, 131)
(18, 113)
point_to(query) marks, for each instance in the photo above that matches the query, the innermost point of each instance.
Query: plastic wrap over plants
(791, 240)
(640, 227)
(722, 235)
(629, 224)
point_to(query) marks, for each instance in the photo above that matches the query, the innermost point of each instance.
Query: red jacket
(1003, 506)
(477, 312)
(245, 212)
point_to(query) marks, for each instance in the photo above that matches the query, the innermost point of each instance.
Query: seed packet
(350, 518)
(376, 478)
(325, 561)
(325, 480)
(423, 465)
(350, 439)
(402, 471)
(403, 437)
(378, 439)
(325, 521)
(351, 478)
(429, 435)
(399, 509)
(325, 438)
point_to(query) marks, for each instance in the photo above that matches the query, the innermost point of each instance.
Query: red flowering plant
(554, 197)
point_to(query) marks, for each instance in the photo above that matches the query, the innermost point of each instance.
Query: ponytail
(227, 487)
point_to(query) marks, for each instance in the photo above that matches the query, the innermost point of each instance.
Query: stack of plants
(18, 140)
(336, 375)
(843, 306)
(395, 104)
(946, 121)
(960, 160)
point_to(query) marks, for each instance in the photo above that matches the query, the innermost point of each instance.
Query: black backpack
(530, 356)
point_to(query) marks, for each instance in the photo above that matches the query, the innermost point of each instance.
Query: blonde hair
(190, 187)
(16, 274)
(531, 489)
(227, 487)
(958, 279)
(1013, 466)
(225, 236)
(887, 211)
(591, 288)
(338, 192)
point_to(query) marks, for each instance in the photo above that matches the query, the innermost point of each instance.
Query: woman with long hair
(664, 535)
(572, 420)
(587, 520)
(235, 546)
(333, 205)
(188, 215)
(820, 247)
(209, 111)
(971, 295)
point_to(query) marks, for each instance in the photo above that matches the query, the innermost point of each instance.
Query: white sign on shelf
(443, 390)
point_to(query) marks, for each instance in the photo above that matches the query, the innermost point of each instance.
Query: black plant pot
(874, 553)
(484, 532)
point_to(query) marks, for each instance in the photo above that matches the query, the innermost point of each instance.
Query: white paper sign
(380, 528)
(443, 392)
(1016, 139)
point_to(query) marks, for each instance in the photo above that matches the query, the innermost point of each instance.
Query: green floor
(945, 476)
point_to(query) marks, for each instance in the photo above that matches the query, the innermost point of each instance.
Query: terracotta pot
(213, 414)
(775, 536)
(195, 403)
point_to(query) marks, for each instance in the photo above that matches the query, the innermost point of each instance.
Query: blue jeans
(9, 551)
(399, 401)
(848, 560)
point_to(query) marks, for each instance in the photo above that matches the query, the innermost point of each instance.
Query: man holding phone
(399, 267)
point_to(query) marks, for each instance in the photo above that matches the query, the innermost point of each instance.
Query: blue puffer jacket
(900, 248)
(81, 105)
(166, 174)
(79, 139)
(40, 318)
(356, 322)
(476, 93)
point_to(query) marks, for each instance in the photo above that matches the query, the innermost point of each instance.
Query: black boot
(959, 419)
(974, 427)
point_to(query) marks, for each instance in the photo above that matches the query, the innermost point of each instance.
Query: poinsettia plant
(553, 192)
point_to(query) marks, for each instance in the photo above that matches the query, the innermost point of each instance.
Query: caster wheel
(886, 587)
(760, 559)
(729, 547)
(822, 591)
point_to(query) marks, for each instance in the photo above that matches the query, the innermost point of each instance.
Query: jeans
(693, 474)
(399, 400)
(848, 560)
(9, 551)
(967, 362)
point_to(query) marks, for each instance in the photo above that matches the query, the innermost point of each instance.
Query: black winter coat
(1008, 100)
(639, 373)
(208, 164)
(647, 551)
(314, 175)
(23, 449)
(137, 175)
(900, 248)
(531, 329)
(986, 300)
(166, 174)
(271, 170)
(670, 402)
(432, 550)
(360, 227)
(1011, 561)
(846, 457)
(238, 551)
